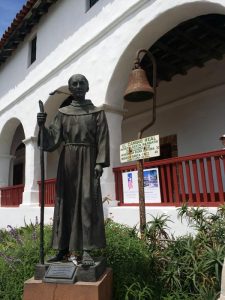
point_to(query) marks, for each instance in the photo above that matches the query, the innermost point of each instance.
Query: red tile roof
(17, 20)
(22, 24)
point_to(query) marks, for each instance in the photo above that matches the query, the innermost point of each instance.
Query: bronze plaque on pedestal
(60, 273)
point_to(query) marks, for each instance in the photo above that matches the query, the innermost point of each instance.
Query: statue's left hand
(98, 171)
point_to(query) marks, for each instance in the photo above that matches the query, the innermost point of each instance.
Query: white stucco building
(50, 40)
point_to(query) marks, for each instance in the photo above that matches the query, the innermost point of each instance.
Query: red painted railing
(11, 195)
(198, 179)
(49, 191)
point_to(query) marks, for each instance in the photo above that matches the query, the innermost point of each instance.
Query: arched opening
(12, 153)
(12, 163)
(190, 109)
(190, 62)
(18, 152)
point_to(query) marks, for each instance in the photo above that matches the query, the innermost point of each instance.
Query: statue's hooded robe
(78, 216)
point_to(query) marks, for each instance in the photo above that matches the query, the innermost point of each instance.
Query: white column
(32, 173)
(114, 118)
(5, 166)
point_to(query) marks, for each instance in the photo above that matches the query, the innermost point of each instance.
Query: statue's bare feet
(87, 260)
(62, 255)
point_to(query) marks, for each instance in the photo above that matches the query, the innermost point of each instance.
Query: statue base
(99, 290)
(67, 272)
(92, 273)
(40, 270)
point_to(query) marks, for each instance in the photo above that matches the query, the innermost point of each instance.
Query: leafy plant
(19, 253)
(129, 258)
(137, 292)
(160, 267)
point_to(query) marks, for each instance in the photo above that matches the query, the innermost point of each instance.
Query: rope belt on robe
(80, 144)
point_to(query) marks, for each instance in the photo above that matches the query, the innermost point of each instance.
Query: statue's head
(78, 85)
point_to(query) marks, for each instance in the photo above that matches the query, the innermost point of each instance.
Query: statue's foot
(87, 260)
(62, 255)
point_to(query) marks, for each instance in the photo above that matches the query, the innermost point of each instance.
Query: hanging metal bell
(138, 88)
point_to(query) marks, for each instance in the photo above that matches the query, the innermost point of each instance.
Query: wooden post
(141, 197)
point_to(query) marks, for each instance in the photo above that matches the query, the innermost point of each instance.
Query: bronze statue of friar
(78, 223)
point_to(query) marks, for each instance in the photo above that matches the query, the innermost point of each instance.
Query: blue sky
(8, 11)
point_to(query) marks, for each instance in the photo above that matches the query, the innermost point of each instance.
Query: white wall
(18, 216)
(66, 34)
(61, 21)
(102, 47)
(130, 216)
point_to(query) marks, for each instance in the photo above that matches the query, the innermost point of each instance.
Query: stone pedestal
(99, 290)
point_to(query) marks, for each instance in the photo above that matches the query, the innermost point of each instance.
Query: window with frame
(33, 49)
(92, 2)
(168, 148)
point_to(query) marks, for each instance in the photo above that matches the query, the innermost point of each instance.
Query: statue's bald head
(78, 77)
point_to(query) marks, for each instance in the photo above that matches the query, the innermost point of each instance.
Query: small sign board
(60, 273)
(140, 149)
(151, 186)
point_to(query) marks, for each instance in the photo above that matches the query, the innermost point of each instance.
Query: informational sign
(130, 187)
(140, 149)
(151, 186)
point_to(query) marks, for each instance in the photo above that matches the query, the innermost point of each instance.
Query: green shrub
(159, 267)
(19, 253)
(129, 258)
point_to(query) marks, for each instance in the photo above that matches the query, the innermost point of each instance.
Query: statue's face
(78, 86)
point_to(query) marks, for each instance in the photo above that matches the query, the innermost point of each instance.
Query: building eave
(21, 26)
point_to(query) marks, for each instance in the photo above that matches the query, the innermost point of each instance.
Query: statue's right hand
(41, 118)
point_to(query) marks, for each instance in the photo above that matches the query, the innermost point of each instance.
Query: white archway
(9, 143)
(150, 32)
(158, 19)
(6, 135)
